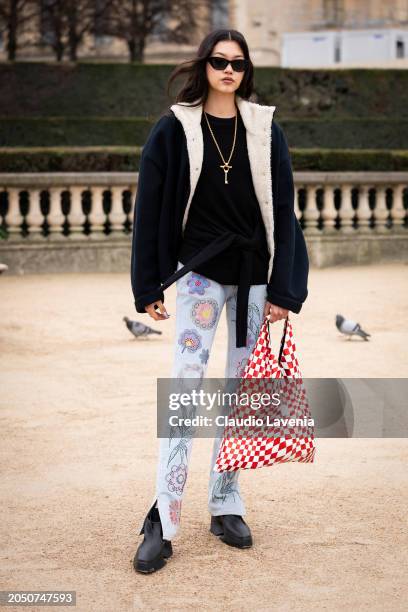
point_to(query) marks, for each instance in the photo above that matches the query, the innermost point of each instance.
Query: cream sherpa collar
(257, 119)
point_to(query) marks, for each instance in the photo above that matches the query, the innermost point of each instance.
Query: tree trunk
(12, 31)
(58, 45)
(72, 50)
(59, 51)
(132, 50)
(136, 50)
(72, 33)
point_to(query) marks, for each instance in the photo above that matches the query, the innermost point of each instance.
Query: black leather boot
(232, 530)
(154, 550)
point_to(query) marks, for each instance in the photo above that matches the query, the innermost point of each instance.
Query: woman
(215, 212)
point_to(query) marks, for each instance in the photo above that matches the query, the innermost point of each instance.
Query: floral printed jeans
(199, 304)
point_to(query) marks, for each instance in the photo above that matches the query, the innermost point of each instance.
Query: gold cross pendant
(226, 167)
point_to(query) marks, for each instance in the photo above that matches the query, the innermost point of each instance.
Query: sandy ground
(78, 458)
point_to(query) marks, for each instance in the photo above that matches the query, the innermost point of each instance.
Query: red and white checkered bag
(240, 451)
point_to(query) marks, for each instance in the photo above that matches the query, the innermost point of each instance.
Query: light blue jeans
(199, 303)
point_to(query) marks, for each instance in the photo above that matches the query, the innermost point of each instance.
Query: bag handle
(282, 343)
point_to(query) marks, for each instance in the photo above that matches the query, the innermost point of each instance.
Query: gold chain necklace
(225, 166)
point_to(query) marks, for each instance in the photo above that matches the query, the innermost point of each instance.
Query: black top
(162, 193)
(220, 207)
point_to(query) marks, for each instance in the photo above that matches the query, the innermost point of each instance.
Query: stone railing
(95, 211)
(70, 205)
(328, 201)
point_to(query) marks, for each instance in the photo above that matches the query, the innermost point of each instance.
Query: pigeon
(350, 328)
(139, 329)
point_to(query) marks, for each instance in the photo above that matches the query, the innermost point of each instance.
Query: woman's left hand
(275, 313)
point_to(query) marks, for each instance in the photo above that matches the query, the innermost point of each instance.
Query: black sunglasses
(220, 63)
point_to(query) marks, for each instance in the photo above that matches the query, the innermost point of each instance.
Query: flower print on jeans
(253, 324)
(204, 313)
(191, 370)
(240, 371)
(254, 321)
(197, 283)
(176, 478)
(181, 448)
(224, 486)
(190, 340)
(204, 355)
(189, 377)
(250, 341)
(175, 511)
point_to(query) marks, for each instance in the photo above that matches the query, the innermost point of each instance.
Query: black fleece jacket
(162, 194)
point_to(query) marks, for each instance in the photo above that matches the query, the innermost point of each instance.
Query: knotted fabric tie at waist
(247, 247)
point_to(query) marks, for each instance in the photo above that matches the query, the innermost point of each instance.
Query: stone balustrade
(346, 217)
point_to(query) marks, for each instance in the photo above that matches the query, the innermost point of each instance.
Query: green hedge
(96, 116)
(75, 159)
(127, 159)
(41, 89)
(107, 131)
(342, 133)
(60, 132)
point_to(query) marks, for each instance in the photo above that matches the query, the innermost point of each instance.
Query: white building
(334, 48)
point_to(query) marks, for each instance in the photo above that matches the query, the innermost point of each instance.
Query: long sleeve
(145, 276)
(287, 286)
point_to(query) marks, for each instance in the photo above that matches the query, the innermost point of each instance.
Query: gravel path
(79, 449)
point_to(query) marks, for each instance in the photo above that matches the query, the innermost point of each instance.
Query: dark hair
(196, 83)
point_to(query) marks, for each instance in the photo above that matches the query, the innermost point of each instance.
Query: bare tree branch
(13, 14)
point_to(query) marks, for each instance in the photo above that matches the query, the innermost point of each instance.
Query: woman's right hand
(157, 316)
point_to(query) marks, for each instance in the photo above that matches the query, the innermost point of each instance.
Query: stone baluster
(97, 216)
(398, 211)
(346, 208)
(310, 214)
(14, 217)
(55, 217)
(34, 217)
(117, 216)
(328, 212)
(76, 215)
(380, 210)
(364, 211)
